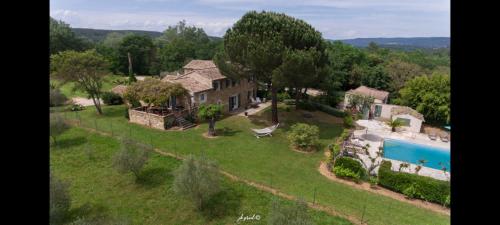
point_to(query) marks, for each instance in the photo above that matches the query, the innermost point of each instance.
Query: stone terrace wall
(147, 119)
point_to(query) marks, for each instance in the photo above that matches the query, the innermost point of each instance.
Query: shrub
(348, 121)
(412, 191)
(60, 200)
(57, 98)
(282, 96)
(330, 110)
(306, 105)
(110, 98)
(57, 126)
(304, 136)
(428, 188)
(351, 164)
(126, 114)
(289, 101)
(296, 213)
(373, 181)
(131, 157)
(197, 179)
(76, 107)
(447, 201)
(341, 171)
(169, 122)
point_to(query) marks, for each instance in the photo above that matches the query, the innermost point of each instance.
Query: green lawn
(269, 161)
(99, 191)
(67, 89)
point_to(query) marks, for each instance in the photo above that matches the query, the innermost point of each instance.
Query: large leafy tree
(400, 72)
(181, 43)
(257, 44)
(109, 49)
(344, 63)
(86, 69)
(301, 69)
(429, 95)
(153, 91)
(142, 52)
(62, 38)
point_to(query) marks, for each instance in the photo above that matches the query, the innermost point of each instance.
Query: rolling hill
(404, 43)
(97, 35)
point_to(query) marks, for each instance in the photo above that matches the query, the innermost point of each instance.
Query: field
(98, 191)
(269, 161)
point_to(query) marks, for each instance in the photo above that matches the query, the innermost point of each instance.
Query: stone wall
(222, 95)
(148, 119)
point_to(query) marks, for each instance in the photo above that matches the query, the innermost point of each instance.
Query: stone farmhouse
(206, 85)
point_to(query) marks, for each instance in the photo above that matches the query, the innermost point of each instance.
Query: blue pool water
(411, 152)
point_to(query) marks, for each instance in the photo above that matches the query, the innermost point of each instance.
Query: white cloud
(142, 20)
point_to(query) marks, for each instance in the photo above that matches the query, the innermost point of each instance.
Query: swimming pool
(411, 152)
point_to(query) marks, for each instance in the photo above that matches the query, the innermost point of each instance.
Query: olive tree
(131, 157)
(256, 46)
(197, 179)
(86, 69)
(210, 112)
(295, 214)
(60, 200)
(57, 126)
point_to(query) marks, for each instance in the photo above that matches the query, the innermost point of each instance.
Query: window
(404, 122)
(203, 97)
(216, 85)
(233, 83)
(228, 83)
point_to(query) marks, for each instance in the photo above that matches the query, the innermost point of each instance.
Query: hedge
(351, 164)
(426, 188)
(110, 98)
(328, 109)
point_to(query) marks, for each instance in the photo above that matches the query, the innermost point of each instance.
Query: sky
(335, 19)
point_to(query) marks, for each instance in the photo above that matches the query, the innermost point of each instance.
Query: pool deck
(384, 131)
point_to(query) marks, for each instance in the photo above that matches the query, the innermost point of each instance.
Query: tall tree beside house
(211, 113)
(86, 69)
(62, 38)
(300, 70)
(256, 46)
(142, 52)
(429, 95)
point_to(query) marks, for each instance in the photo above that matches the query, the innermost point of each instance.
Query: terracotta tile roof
(367, 91)
(193, 82)
(200, 78)
(406, 110)
(212, 73)
(119, 89)
(200, 64)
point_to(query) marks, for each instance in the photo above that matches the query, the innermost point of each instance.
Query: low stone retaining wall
(150, 119)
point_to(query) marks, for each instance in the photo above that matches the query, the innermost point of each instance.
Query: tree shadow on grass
(69, 142)
(91, 212)
(226, 131)
(153, 177)
(227, 202)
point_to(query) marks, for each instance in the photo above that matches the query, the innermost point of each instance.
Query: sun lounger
(444, 138)
(254, 102)
(266, 131)
(432, 137)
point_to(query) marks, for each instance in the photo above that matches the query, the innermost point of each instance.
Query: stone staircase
(184, 123)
